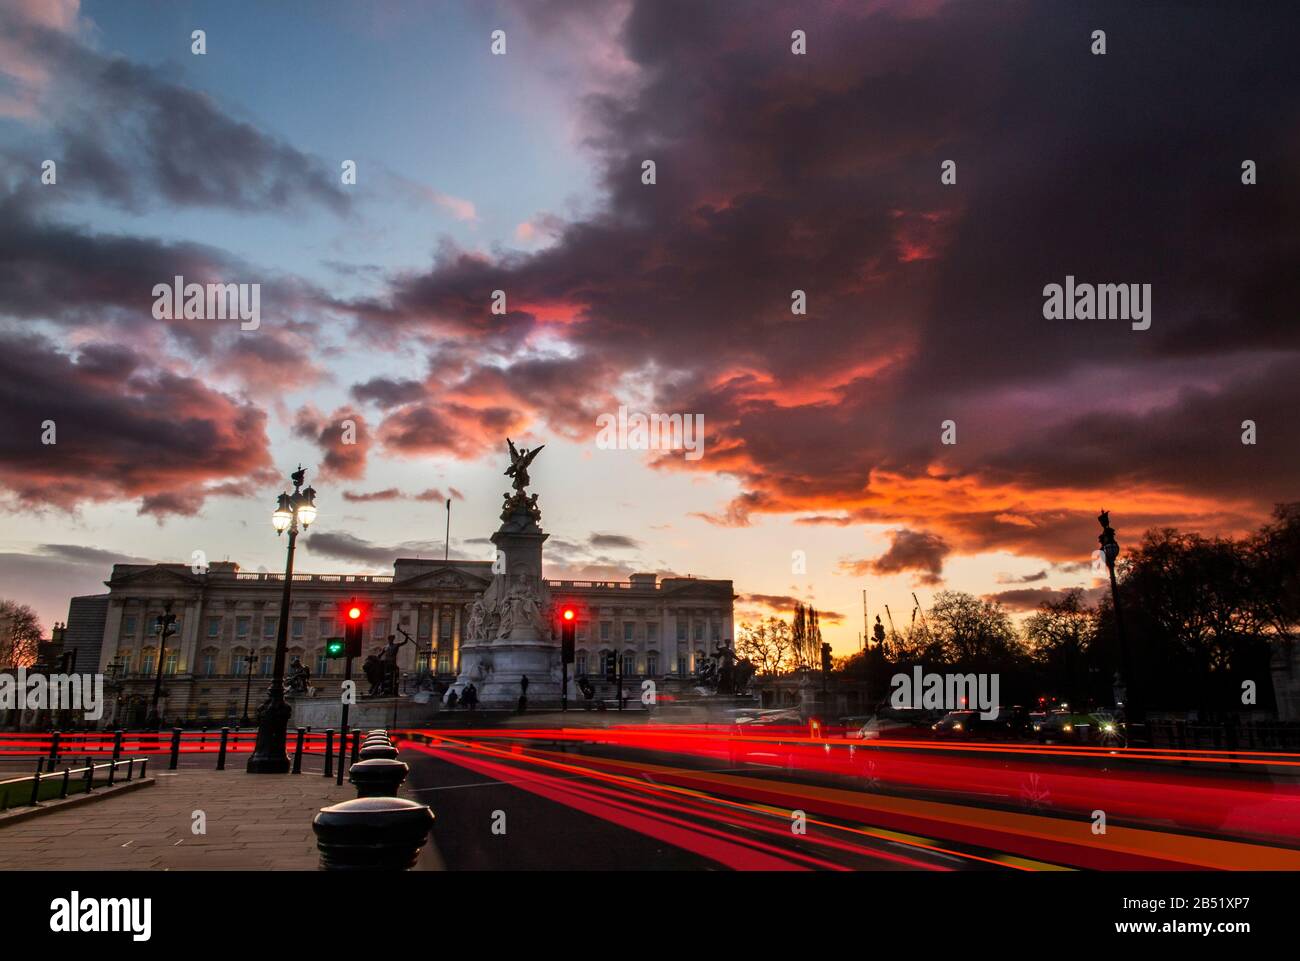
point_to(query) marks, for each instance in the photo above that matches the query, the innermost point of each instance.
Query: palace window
(681, 665)
(214, 626)
(629, 663)
(322, 664)
(299, 627)
(209, 663)
(628, 629)
(268, 627)
(652, 630)
(129, 625)
(681, 629)
(580, 663)
(652, 663)
(606, 628)
(146, 663)
(242, 626)
(170, 661)
(268, 662)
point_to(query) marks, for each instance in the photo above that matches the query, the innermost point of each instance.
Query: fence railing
(54, 784)
(48, 746)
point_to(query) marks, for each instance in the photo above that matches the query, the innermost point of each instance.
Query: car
(1009, 724)
(1094, 727)
(899, 722)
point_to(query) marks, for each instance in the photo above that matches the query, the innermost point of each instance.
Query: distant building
(658, 628)
(83, 636)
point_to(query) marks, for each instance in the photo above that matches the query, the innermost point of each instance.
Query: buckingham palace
(227, 621)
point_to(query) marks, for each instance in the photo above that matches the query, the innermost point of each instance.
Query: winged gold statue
(519, 461)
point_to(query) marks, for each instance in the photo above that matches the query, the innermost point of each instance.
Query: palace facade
(227, 621)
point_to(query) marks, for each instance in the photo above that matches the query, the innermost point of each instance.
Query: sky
(825, 470)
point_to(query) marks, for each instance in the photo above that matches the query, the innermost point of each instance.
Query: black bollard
(378, 777)
(329, 752)
(356, 745)
(378, 750)
(372, 834)
(36, 787)
(176, 749)
(221, 756)
(90, 776)
(54, 749)
(297, 751)
(67, 776)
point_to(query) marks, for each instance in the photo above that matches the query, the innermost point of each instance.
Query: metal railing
(215, 743)
(48, 785)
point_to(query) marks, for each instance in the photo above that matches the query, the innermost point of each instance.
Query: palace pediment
(154, 577)
(443, 578)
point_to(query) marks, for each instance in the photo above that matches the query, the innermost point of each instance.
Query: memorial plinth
(511, 633)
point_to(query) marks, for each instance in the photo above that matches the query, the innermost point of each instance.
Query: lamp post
(250, 660)
(1110, 550)
(166, 626)
(269, 757)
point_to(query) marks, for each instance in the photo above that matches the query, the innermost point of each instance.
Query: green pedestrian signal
(334, 647)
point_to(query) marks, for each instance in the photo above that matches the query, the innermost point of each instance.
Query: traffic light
(611, 666)
(826, 657)
(354, 615)
(335, 648)
(568, 626)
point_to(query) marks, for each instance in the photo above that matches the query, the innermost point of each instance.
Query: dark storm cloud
(343, 438)
(1032, 598)
(124, 428)
(134, 137)
(821, 173)
(348, 547)
(615, 541)
(919, 551)
(386, 392)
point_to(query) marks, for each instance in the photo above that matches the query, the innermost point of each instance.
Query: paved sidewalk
(254, 822)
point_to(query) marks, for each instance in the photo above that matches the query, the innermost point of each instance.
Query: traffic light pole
(564, 684)
(343, 725)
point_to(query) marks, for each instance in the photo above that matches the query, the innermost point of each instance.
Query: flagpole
(446, 544)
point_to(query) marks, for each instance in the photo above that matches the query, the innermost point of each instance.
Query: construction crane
(924, 626)
(892, 632)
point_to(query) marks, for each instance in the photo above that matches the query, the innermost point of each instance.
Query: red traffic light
(568, 614)
(354, 613)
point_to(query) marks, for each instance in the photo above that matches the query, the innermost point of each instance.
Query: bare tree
(767, 645)
(20, 634)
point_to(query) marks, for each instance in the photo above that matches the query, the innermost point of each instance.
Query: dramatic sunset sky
(522, 172)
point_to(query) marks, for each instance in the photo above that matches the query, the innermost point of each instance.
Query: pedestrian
(451, 701)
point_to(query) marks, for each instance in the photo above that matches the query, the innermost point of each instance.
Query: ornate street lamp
(292, 512)
(1124, 678)
(250, 660)
(166, 626)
